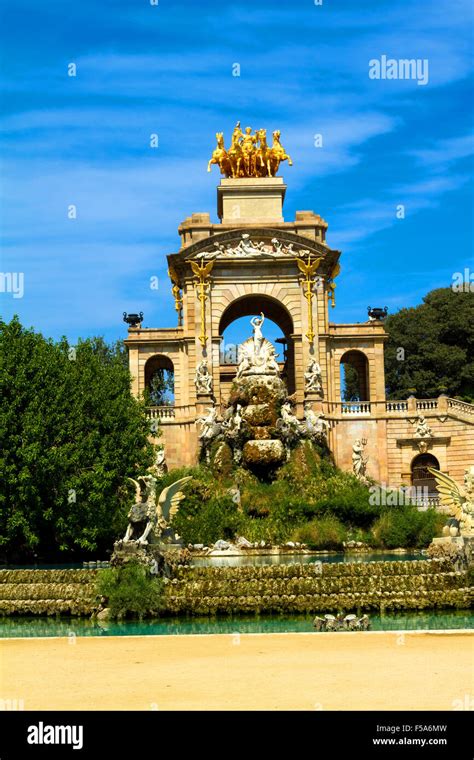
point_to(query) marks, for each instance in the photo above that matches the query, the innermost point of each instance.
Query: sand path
(387, 671)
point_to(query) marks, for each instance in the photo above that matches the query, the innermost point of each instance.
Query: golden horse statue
(249, 154)
(220, 156)
(264, 152)
(278, 153)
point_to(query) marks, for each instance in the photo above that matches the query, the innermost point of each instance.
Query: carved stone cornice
(422, 445)
(265, 234)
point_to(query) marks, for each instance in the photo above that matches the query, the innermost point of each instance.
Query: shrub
(407, 527)
(349, 499)
(130, 591)
(470, 576)
(323, 533)
(206, 522)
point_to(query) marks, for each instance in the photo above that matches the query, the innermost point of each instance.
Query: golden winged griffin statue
(458, 500)
(249, 154)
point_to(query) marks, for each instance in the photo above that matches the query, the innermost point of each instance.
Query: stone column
(134, 366)
(443, 404)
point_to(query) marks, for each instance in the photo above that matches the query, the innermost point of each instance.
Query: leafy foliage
(351, 385)
(161, 390)
(130, 590)
(311, 501)
(70, 433)
(323, 533)
(438, 342)
(406, 526)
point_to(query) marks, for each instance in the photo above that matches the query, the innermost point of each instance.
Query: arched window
(354, 375)
(234, 327)
(159, 381)
(420, 477)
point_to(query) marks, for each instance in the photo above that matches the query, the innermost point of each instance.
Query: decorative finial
(133, 320)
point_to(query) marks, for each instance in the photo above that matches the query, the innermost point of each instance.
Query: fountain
(259, 428)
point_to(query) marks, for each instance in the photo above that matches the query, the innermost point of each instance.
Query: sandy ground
(387, 671)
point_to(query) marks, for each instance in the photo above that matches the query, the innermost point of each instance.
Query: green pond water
(256, 559)
(302, 559)
(24, 627)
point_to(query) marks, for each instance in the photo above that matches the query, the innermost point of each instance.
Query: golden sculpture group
(249, 154)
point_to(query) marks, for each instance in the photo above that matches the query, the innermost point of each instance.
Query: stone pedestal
(249, 200)
(148, 555)
(203, 402)
(316, 401)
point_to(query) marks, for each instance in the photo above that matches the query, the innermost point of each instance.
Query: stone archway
(160, 368)
(251, 305)
(420, 477)
(356, 362)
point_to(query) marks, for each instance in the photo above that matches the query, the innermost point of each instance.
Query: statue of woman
(359, 462)
(257, 323)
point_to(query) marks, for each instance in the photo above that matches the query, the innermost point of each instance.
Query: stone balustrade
(359, 408)
(400, 409)
(160, 412)
(389, 408)
(426, 404)
(427, 502)
(396, 406)
(460, 406)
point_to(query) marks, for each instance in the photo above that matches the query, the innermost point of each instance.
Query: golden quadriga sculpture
(249, 154)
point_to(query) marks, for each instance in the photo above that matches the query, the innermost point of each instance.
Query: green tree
(161, 390)
(431, 347)
(70, 434)
(351, 386)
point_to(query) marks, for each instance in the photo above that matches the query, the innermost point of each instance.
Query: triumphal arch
(254, 262)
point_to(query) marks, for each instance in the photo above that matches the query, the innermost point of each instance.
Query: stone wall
(266, 589)
(304, 589)
(47, 592)
(391, 445)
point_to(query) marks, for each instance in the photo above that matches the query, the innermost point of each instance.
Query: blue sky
(167, 69)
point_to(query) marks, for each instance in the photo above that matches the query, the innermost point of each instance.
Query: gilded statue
(249, 154)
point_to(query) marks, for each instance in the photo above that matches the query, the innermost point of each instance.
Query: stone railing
(406, 408)
(358, 408)
(159, 412)
(460, 406)
(425, 404)
(396, 406)
(352, 408)
(427, 502)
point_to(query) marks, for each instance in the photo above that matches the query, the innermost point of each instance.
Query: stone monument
(259, 425)
(148, 534)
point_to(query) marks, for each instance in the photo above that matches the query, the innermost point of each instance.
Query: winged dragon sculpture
(148, 518)
(459, 500)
